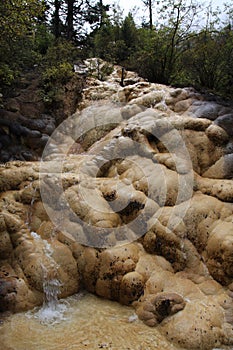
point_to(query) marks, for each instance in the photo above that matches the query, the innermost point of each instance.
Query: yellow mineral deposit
(134, 207)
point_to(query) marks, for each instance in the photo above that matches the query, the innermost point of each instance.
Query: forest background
(186, 43)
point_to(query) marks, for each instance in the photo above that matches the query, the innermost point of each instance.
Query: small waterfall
(51, 289)
(52, 310)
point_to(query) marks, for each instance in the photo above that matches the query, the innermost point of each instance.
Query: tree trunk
(70, 19)
(101, 12)
(150, 14)
(57, 6)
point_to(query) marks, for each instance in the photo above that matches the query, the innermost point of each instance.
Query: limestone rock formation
(133, 202)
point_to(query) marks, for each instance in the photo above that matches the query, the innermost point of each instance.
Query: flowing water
(52, 309)
(89, 323)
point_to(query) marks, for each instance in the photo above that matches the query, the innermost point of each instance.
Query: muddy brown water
(86, 322)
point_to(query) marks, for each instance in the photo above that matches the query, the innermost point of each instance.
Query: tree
(79, 12)
(227, 81)
(209, 61)
(169, 41)
(129, 31)
(100, 10)
(70, 19)
(56, 21)
(104, 42)
(17, 18)
(149, 60)
(181, 21)
(204, 59)
(149, 5)
(17, 28)
(129, 37)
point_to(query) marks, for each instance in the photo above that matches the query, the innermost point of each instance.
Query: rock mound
(132, 201)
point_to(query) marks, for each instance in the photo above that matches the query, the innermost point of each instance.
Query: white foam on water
(48, 250)
(50, 314)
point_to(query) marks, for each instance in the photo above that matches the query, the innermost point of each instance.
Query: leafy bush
(59, 74)
(62, 51)
(53, 80)
(43, 39)
(7, 76)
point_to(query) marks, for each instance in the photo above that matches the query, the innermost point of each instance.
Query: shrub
(53, 80)
(7, 75)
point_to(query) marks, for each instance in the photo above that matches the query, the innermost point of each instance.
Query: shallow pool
(83, 322)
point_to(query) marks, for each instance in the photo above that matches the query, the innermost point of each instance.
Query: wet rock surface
(133, 202)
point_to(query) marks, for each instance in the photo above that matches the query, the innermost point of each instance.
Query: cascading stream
(52, 310)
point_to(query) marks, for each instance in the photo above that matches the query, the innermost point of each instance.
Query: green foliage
(100, 69)
(17, 18)
(129, 38)
(151, 59)
(20, 56)
(60, 51)
(209, 60)
(7, 75)
(104, 42)
(59, 74)
(53, 80)
(17, 22)
(57, 69)
(115, 43)
(43, 39)
(128, 32)
(204, 61)
(169, 40)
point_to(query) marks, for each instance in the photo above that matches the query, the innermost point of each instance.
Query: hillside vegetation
(184, 44)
